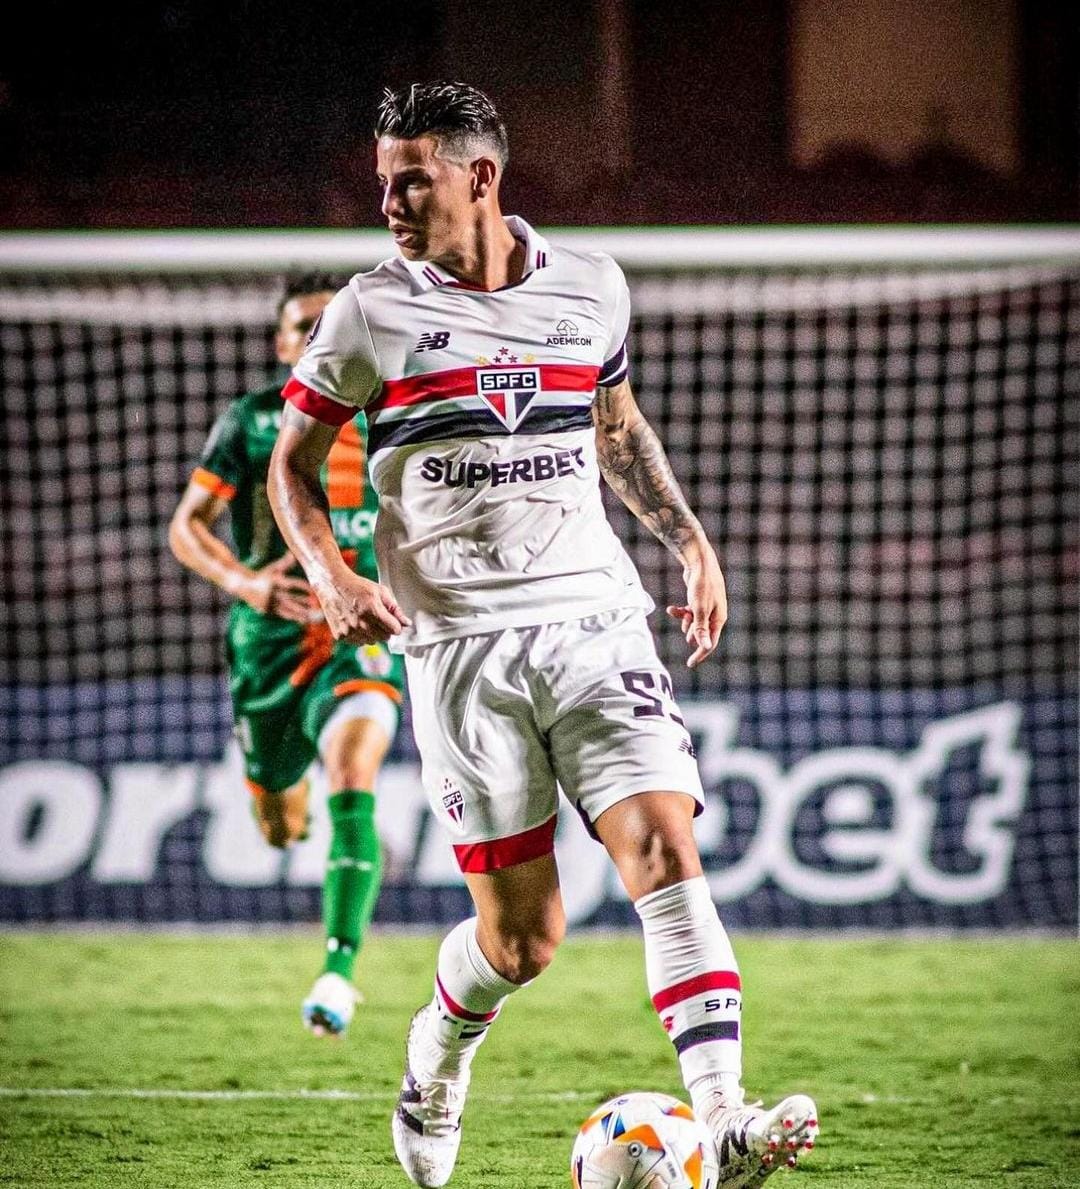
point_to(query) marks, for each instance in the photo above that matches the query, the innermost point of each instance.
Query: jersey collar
(537, 255)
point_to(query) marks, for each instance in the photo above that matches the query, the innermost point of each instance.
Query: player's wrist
(696, 550)
(330, 574)
(255, 589)
(237, 582)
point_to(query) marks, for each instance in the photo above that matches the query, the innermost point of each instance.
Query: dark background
(247, 114)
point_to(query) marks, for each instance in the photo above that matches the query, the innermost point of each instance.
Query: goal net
(879, 432)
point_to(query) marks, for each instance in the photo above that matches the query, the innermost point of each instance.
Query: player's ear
(484, 175)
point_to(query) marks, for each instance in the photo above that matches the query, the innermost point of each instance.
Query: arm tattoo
(633, 462)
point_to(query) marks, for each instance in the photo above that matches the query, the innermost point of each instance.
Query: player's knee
(353, 754)
(660, 858)
(352, 772)
(525, 953)
(528, 957)
(351, 766)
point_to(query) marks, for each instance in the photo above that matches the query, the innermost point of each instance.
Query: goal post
(638, 249)
(879, 430)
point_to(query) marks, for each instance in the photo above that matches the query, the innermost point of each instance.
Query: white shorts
(504, 718)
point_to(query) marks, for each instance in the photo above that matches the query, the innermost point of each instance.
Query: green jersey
(285, 678)
(234, 464)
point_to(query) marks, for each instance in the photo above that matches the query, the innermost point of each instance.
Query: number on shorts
(639, 682)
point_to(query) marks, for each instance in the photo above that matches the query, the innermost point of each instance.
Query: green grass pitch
(934, 1063)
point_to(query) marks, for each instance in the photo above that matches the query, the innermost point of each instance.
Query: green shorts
(286, 682)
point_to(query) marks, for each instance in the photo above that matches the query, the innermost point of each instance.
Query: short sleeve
(616, 364)
(338, 372)
(224, 457)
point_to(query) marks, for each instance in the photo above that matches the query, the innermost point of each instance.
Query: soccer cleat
(328, 1009)
(752, 1143)
(426, 1125)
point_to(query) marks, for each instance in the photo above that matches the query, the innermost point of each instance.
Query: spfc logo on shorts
(453, 801)
(508, 391)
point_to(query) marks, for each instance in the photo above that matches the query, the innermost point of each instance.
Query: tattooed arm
(355, 608)
(634, 464)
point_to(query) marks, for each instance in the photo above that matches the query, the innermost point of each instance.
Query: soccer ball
(644, 1140)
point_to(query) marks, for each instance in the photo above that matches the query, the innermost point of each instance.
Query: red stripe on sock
(462, 1013)
(714, 980)
(508, 852)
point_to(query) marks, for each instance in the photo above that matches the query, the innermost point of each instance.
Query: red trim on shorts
(322, 408)
(714, 980)
(508, 852)
(463, 1013)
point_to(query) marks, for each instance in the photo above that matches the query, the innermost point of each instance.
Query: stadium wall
(948, 831)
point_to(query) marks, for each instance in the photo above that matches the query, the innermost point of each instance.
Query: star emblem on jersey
(500, 357)
(453, 801)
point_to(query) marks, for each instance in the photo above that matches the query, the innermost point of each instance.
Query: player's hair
(303, 284)
(462, 117)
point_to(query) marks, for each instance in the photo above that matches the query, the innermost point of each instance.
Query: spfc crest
(508, 391)
(453, 801)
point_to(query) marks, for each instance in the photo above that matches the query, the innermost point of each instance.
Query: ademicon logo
(57, 819)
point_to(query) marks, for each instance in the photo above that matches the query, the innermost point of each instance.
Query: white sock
(695, 987)
(469, 993)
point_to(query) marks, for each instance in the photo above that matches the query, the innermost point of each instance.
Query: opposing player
(493, 370)
(296, 693)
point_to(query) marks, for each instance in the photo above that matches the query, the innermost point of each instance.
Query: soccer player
(296, 693)
(492, 366)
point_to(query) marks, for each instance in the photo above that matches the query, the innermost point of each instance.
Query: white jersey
(482, 447)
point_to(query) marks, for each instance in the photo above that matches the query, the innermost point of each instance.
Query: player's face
(427, 199)
(297, 318)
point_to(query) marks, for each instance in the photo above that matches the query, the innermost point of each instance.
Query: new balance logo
(432, 340)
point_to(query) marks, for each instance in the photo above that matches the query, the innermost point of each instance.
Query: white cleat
(752, 1143)
(426, 1125)
(328, 1009)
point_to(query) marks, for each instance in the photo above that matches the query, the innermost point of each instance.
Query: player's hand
(360, 611)
(274, 591)
(705, 612)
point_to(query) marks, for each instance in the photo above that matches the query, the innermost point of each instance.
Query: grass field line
(187, 930)
(269, 1095)
(329, 1095)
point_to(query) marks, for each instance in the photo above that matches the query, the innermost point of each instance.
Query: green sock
(353, 872)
